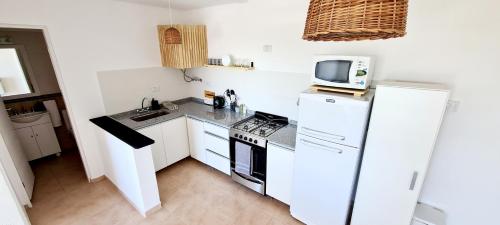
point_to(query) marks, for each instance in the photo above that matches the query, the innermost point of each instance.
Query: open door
(12, 156)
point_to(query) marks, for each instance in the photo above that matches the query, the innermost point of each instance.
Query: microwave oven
(353, 72)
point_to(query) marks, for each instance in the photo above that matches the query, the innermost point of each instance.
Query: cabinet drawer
(218, 162)
(217, 144)
(216, 130)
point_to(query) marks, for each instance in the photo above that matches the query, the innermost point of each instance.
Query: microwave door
(335, 71)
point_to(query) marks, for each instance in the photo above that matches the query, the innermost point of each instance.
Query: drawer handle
(413, 181)
(216, 136)
(215, 153)
(328, 148)
(339, 137)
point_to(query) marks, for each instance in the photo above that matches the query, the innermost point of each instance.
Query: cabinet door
(279, 173)
(176, 140)
(46, 138)
(158, 148)
(218, 162)
(403, 129)
(195, 135)
(27, 139)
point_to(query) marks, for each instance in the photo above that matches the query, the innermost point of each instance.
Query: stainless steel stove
(249, 139)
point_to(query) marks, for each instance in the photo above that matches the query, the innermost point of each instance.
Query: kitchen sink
(148, 116)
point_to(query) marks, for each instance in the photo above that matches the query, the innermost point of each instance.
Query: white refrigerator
(330, 135)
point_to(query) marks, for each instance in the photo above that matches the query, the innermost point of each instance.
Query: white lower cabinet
(195, 136)
(218, 162)
(158, 148)
(38, 141)
(216, 143)
(176, 140)
(279, 173)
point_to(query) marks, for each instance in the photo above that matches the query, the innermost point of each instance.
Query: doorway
(41, 154)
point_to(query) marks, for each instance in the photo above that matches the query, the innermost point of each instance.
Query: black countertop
(122, 132)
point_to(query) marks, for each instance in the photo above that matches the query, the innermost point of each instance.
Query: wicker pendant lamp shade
(354, 20)
(172, 36)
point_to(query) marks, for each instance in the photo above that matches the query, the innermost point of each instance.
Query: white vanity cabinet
(195, 135)
(279, 172)
(175, 139)
(158, 148)
(38, 138)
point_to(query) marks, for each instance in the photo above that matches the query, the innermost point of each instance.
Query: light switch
(155, 89)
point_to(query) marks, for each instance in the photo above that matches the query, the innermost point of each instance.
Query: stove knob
(241, 136)
(235, 135)
(250, 139)
(245, 138)
(255, 141)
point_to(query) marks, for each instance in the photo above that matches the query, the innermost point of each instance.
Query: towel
(51, 107)
(242, 158)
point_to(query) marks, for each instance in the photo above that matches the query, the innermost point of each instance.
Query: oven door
(258, 163)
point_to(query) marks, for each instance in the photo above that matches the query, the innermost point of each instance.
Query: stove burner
(262, 124)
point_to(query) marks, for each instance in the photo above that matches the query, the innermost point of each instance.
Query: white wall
(131, 171)
(11, 212)
(452, 42)
(123, 90)
(90, 36)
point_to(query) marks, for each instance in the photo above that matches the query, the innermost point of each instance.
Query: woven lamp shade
(354, 20)
(172, 36)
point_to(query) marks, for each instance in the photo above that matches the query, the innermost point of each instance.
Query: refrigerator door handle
(413, 180)
(318, 132)
(325, 147)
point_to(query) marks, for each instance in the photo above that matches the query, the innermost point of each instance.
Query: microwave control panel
(361, 72)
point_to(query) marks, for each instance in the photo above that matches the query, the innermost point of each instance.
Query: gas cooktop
(257, 128)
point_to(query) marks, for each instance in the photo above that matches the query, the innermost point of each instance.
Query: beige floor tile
(191, 194)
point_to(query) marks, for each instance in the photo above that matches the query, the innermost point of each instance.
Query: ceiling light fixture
(354, 20)
(172, 35)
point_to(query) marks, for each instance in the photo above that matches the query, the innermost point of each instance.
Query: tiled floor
(191, 193)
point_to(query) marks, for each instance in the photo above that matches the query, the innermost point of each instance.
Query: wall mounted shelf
(232, 67)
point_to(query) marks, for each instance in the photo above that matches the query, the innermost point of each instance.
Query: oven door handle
(247, 178)
(251, 161)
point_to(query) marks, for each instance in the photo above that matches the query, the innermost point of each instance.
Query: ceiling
(184, 4)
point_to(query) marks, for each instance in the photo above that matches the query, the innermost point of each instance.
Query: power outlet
(452, 105)
(267, 48)
(155, 89)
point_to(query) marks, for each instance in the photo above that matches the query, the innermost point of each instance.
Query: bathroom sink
(27, 117)
(148, 116)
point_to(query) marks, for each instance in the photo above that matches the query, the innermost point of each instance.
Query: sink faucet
(142, 109)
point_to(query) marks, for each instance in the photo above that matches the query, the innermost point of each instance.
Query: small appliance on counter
(155, 105)
(208, 97)
(353, 72)
(219, 102)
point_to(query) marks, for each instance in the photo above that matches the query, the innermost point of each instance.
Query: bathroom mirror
(15, 72)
